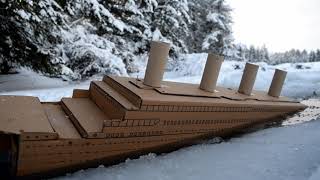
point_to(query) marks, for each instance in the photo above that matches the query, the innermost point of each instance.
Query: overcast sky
(279, 24)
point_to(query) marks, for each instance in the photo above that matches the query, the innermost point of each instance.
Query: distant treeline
(262, 54)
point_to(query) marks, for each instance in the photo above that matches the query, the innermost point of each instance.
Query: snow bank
(302, 81)
(285, 153)
(27, 80)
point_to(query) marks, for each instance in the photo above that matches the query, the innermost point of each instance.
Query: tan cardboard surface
(157, 61)
(248, 78)
(36, 136)
(54, 154)
(183, 93)
(60, 122)
(80, 93)
(86, 113)
(124, 91)
(277, 83)
(211, 72)
(112, 108)
(114, 94)
(21, 113)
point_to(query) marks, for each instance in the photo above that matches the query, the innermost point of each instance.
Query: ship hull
(55, 157)
(120, 118)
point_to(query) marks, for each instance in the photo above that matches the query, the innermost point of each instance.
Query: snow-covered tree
(79, 38)
(312, 56)
(318, 55)
(173, 22)
(215, 33)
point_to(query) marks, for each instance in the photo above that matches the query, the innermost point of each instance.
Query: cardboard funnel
(248, 79)
(158, 58)
(211, 73)
(277, 83)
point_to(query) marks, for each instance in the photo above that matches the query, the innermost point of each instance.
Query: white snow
(216, 18)
(286, 153)
(300, 83)
(81, 43)
(100, 10)
(209, 40)
(289, 152)
(24, 14)
(28, 80)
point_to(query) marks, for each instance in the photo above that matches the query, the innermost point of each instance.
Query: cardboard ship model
(121, 117)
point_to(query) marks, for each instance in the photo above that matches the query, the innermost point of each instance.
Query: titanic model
(122, 117)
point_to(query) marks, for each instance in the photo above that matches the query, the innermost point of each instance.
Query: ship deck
(120, 116)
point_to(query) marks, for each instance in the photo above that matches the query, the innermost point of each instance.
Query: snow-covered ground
(285, 153)
(289, 152)
(301, 82)
(303, 79)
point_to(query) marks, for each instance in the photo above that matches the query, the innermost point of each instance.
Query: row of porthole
(191, 122)
(145, 122)
(37, 137)
(109, 143)
(88, 144)
(129, 142)
(161, 140)
(166, 108)
(133, 123)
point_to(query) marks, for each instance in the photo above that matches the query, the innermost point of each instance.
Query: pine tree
(78, 38)
(317, 58)
(304, 56)
(173, 23)
(215, 33)
(252, 54)
(312, 56)
(265, 54)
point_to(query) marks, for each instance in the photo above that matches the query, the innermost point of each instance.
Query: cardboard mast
(277, 83)
(157, 61)
(248, 79)
(211, 73)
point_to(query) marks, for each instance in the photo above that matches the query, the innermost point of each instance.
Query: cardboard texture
(80, 93)
(85, 115)
(248, 79)
(23, 114)
(123, 101)
(35, 136)
(106, 103)
(61, 122)
(179, 93)
(158, 58)
(277, 83)
(121, 117)
(164, 121)
(124, 91)
(211, 73)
